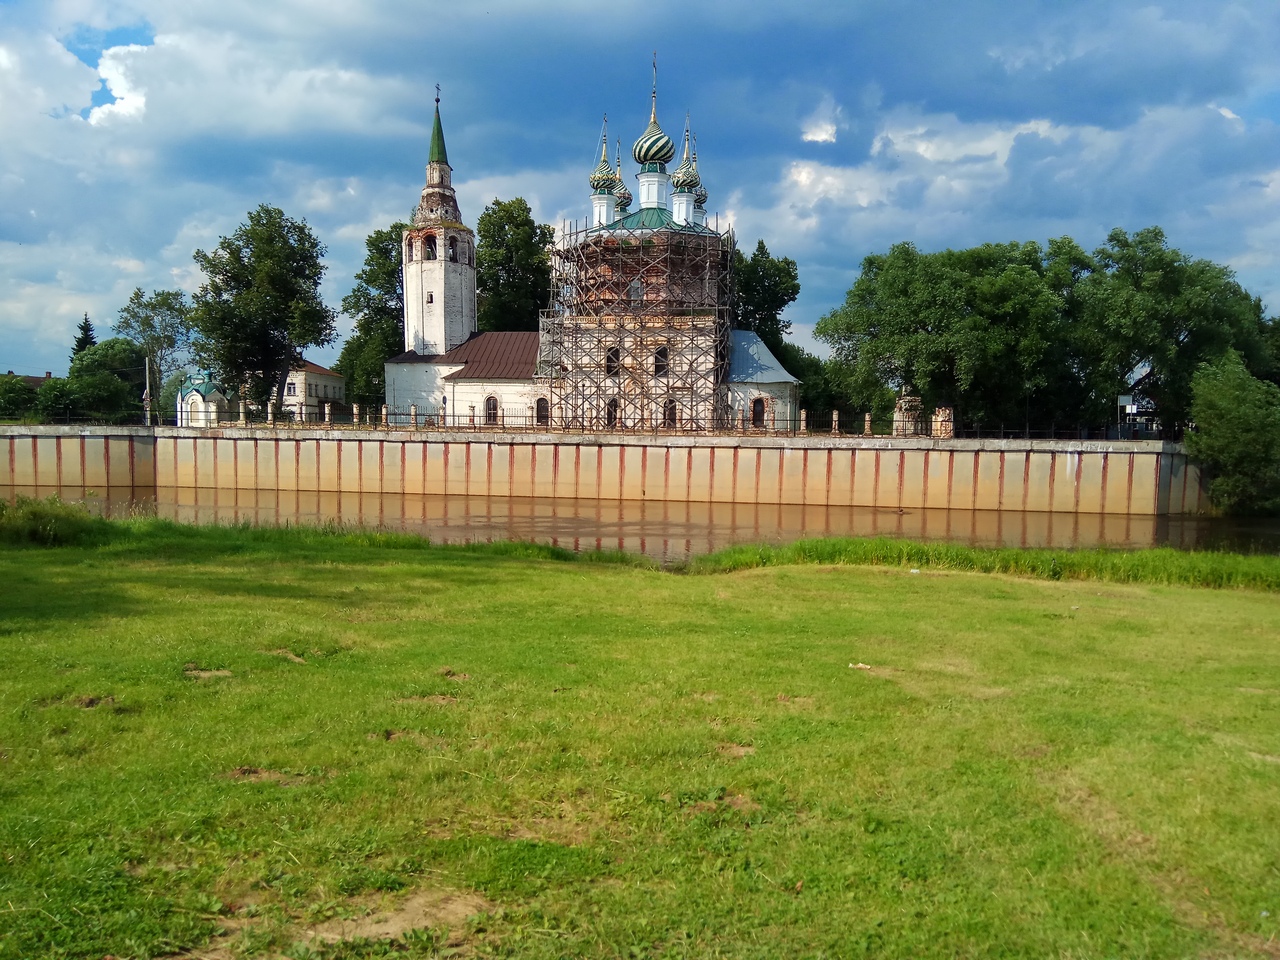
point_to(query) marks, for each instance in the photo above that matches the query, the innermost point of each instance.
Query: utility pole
(146, 395)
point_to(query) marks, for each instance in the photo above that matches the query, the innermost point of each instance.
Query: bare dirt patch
(708, 697)
(795, 701)
(451, 674)
(258, 775)
(741, 803)
(1264, 757)
(424, 908)
(88, 703)
(1259, 690)
(288, 655)
(196, 672)
(735, 750)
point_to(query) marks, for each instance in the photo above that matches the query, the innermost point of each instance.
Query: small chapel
(638, 331)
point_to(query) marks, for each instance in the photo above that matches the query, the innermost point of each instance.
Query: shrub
(48, 523)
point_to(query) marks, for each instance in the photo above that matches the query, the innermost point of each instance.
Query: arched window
(611, 413)
(757, 412)
(612, 361)
(670, 419)
(408, 249)
(431, 249)
(635, 291)
(661, 362)
(491, 410)
(543, 412)
(453, 249)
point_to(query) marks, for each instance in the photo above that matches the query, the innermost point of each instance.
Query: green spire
(438, 153)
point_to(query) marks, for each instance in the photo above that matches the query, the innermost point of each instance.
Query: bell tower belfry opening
(439, 261)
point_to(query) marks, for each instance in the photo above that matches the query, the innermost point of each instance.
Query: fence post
(328, 414)
(355, 414)
(804, 421)
(866, 425)
(385, 424)
(413, 415)
(244, 413)
(835, 421)
(271, 414)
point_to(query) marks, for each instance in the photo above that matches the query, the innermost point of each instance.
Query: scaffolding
(637, 333)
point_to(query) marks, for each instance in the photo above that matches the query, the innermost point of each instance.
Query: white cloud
(130, 100)
(823, 125)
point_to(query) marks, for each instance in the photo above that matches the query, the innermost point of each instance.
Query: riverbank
(285, 735)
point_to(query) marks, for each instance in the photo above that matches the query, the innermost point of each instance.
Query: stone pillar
(328, 414)
(944, 427)
(835, 421)
(244, 413)
(271, 414)
(773, 417)
(385, 424)
(804, 421)
(866, 425)
(906, 416)
(413, 415)
(355, 414)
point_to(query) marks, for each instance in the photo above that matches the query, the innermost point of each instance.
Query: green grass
(635, 763)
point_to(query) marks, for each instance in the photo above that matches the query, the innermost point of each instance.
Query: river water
(669, 532)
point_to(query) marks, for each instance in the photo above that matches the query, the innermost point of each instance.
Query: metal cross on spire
(437, 94)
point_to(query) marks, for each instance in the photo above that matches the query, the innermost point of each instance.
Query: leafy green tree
(1237, 436)
(513, 266)
(94, 395)
(1162, 314)
(260, 306)
(161, 325)
(84, 337)
(17, 398)
(167, 407)
(765, 286)
(120, 357)
(377, 305)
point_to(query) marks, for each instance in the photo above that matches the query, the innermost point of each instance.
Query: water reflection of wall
(666, 531)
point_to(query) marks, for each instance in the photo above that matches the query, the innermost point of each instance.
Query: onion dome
(620, 191)
(686, 179)
(602, 178)
(699, 191)
(654, 146)
(700, 196)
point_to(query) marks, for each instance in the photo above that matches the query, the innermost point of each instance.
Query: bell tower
(439, 261)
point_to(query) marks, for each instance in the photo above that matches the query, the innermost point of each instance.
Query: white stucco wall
(779, 398)
(424, 385)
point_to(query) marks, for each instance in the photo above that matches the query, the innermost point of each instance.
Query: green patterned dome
(700, 196)
(686, 179)
(623, 195)
(654, 146)
(602, 178)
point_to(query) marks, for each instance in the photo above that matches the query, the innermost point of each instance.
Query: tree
(765, 285)
(513, 266)
(160, 324)
(260, 306)
(377, 305)
(1163, 314)
(1237, 436)
(84, 337)
(16, 396)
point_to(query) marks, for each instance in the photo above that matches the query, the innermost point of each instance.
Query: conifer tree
(84, 337)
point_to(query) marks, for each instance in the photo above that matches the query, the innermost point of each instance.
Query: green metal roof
(655, 218)
(438, 153)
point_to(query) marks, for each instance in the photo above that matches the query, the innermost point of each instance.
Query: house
(309, 388)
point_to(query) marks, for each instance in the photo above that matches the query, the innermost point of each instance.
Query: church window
(291, 389)
(408, 249)
(543, 414)
(326, 391)
(661, 361)
(430, 253)
(453, 249)
(491, 410)
(611, 412)
(612, 361)
(757, 412)
(669, 415)
(635, 291)
(431, 297)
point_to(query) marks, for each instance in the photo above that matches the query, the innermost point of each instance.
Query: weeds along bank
(1149, 478)
(238, 742)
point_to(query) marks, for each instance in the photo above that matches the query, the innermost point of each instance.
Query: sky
(134, 132)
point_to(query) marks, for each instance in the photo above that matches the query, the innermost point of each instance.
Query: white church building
(638, 333)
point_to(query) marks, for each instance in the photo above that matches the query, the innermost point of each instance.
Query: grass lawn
(302, 745)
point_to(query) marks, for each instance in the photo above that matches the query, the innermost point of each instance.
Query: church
(638, 331)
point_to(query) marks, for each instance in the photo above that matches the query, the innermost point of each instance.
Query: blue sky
(135, 132)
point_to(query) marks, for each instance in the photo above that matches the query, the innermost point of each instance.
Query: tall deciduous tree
(766, 285)
(84, 337)
(260, 306)
(161, 325)
(376, 303)
(513, 266)
(1237, 436)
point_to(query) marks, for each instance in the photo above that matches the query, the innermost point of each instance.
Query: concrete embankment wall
(1142, 478)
